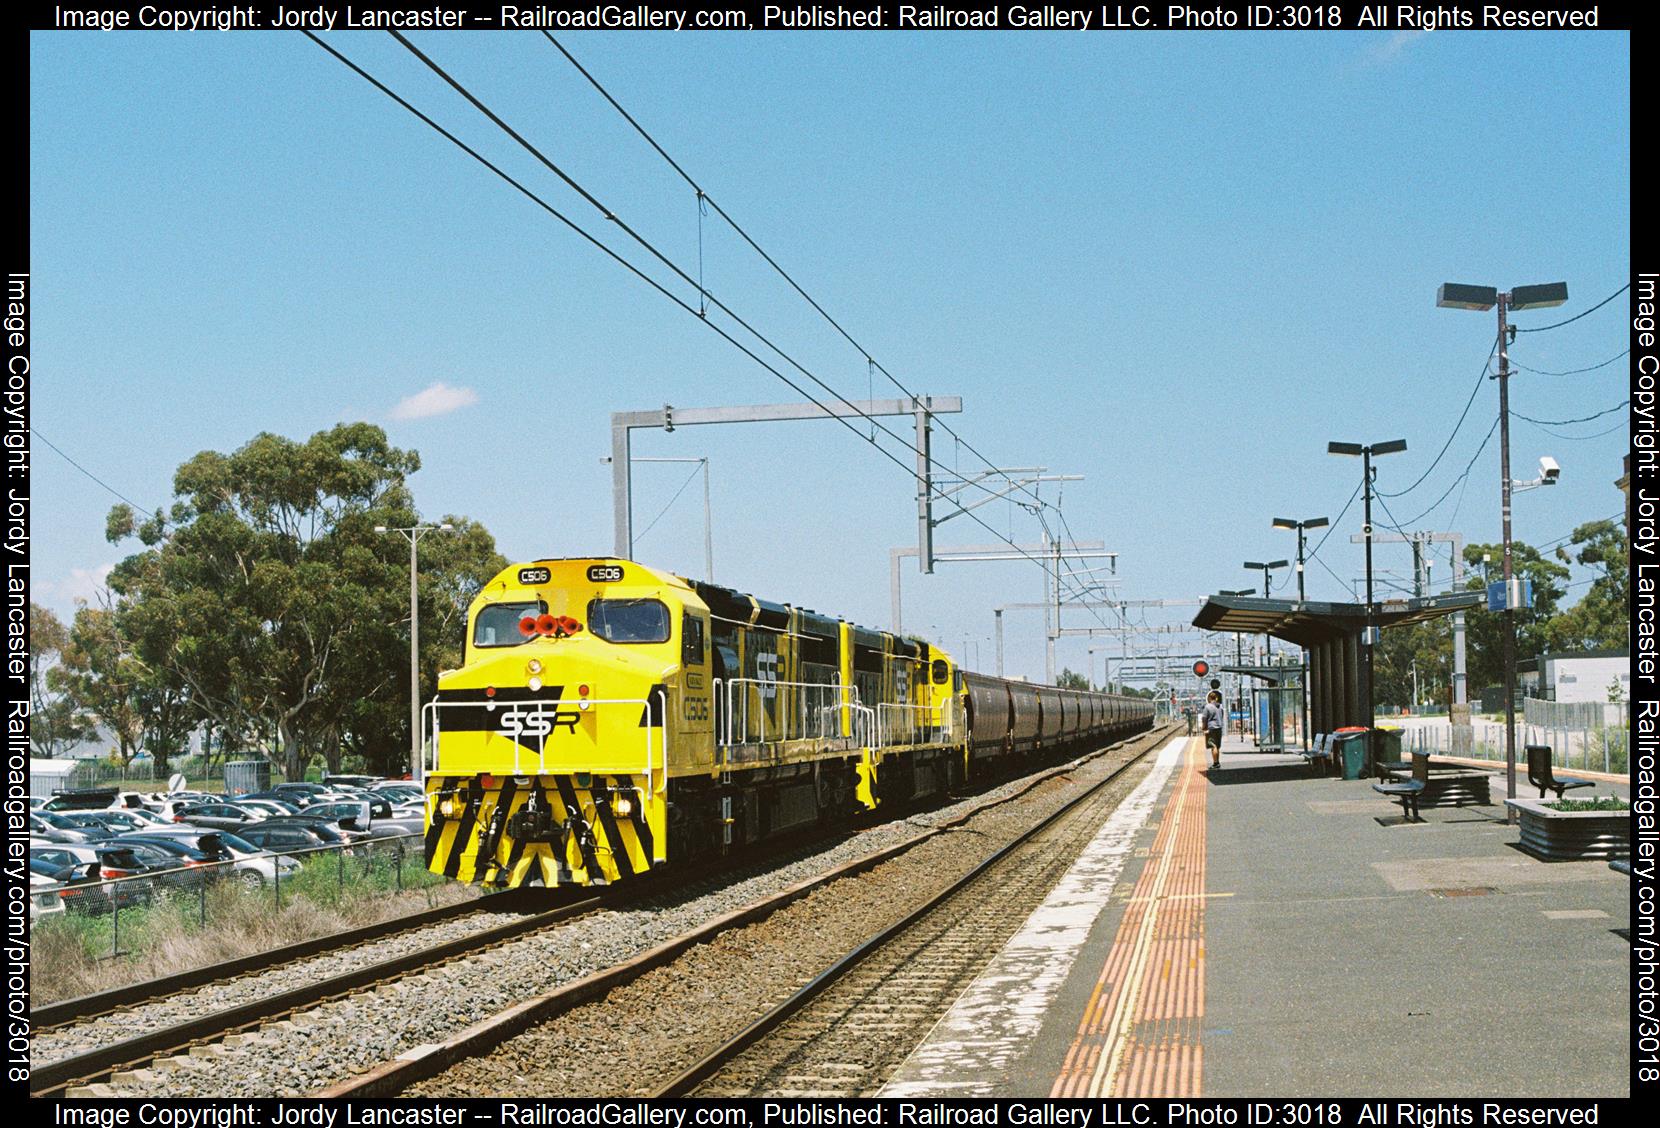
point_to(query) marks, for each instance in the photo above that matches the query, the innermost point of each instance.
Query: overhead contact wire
(654, 283)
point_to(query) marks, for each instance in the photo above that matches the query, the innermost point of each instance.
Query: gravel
(332, 1042)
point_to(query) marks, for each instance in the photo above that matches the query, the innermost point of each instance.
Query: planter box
(1565, 836)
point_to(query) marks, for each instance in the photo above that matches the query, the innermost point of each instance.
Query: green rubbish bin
(1350, 754)
(1389, 746)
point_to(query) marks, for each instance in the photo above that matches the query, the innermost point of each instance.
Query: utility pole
(1460, 717)
(413, 534)
(1454, 295)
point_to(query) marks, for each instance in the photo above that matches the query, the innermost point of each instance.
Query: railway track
(843, 1033)
(498, 980)
(673, 993)
(58, 1075)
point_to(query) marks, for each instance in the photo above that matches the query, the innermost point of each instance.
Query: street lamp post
(1302, 591)
(1366, 453)
(1267, 574)
(413, 534)
(1454, 295)
(1300, 526)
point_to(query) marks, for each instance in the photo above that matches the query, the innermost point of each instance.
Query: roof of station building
(1308, 623)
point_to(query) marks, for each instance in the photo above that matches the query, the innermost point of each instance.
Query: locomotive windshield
(629, 620)
(498, 624)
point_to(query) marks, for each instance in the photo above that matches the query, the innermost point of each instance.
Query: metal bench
(1408, 790)
(1540, 775)
(1319, 755)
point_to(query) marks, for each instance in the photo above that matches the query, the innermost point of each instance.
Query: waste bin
(1349, 753)
(1387, 745)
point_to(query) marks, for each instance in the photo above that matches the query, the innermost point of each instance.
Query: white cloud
(1390, 48)
(437, 399)
(82, 585)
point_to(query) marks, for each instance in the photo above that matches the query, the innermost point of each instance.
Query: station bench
(1540, 774)
(1408, 791)
(1319, 755)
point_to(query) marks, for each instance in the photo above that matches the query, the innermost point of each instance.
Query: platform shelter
(1331, 633)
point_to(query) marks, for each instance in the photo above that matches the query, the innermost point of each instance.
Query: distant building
(1585, 675)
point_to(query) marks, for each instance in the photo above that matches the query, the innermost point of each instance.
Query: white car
(44, 898)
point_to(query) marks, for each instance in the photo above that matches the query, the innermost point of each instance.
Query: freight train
(608, 718)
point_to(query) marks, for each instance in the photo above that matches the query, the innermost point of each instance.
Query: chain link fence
(119, 916)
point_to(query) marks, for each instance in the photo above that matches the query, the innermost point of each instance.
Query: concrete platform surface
(1256, 930)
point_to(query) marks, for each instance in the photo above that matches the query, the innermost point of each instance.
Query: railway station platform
(1258, 930)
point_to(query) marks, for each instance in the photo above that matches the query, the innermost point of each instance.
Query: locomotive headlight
(450, 808)
(534, 666)
(621, 806)
(534, 684)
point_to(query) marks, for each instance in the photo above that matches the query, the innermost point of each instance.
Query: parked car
(35, 801)
(295, 834)
(251, 864)
(44, 897)
(93, 869)
(201, 866)
(225, 816)
(269, 808)
(350, 780)
(356, 820)
(125, 821)
(82, 799)
(57, 828)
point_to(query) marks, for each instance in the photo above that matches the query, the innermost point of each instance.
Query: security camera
(1549, 471)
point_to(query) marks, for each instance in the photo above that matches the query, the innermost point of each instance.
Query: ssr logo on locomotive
(604, 573)
(537, 722)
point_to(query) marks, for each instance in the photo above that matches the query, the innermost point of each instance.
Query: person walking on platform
(1213, 727)
(1187, 711)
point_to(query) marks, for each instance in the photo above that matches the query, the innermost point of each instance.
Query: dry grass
(70, 952)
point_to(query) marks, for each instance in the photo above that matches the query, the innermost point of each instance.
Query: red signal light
(1201, 668)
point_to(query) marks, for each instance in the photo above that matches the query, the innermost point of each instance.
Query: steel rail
(54, 1015)
(687, 1081)
(55, 1078)
(423, 1062)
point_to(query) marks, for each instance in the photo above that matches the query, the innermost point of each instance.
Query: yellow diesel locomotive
(608, 717)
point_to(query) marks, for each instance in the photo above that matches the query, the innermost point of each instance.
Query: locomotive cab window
(629, 620)
(498, 624)
(942, 671)
(691, 640)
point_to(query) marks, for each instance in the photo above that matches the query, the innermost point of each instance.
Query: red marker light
(489, 691)
(527, 626)
(583, 690)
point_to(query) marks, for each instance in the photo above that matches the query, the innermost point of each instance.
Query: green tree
(1485, 629)
(267, 601)
(55, 721)
(1602, 617)
(100, 672)
(1070, 680)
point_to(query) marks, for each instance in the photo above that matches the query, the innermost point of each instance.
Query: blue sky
(1177, 264)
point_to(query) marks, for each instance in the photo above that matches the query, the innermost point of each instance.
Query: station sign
(1521, 595)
